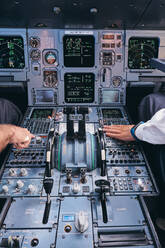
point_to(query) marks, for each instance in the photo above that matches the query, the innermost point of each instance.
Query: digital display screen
(41, 113)
(110, 96)
(140, 52)
(112, 113)
(44, 96)
(79, 87)
(67, 218)
(79, 50)
(12, 52)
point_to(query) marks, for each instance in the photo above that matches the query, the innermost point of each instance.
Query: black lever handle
(48, 153)
(48, 184)
(101, 141)
(46, 212)
(104, 186)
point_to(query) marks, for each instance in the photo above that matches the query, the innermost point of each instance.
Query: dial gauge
(35, 54)
(50, 58)
(34, 42)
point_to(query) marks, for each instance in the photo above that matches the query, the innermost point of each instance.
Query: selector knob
(76, 187)
(81, 222)
(12, 172)
(67, 228)
(23, 172)
(34, 242)
(5, 188)
(31, 188)
(20, 184)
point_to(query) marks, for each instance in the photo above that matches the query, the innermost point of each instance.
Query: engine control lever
(104, 187)
(81, 124)
(101, 141)
(48, 152)
(47, 184)
(70, 123)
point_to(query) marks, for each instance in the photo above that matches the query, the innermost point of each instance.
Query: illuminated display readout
(68, 218)
(140, 51)
(112, 113)
(12, 52)
(79, 87)
(78, 50)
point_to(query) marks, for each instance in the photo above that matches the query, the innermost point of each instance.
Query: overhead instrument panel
(141, 50)
(79, 50)
(79, 87)
(12, 52)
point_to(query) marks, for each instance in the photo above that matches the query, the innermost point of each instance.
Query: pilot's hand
(121, 132)
(21, 137)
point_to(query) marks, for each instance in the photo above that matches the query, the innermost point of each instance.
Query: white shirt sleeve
(153, 131)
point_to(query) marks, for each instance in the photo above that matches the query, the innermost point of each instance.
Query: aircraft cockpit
(73, 67)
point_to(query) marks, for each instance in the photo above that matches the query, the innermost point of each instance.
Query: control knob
(12, 172)
(5, 188)
(23, 172)
(34, 242)
(81, 222)
(31, 188)
(20, 184)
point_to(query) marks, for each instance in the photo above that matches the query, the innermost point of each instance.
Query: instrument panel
(46, 58)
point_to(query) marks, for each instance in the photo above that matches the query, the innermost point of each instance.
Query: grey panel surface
(71, 206)
(46, 238)
(121, 211)
(25, 213)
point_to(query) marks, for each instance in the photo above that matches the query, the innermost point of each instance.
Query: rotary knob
(23, 172)
(31, 188)
(12, 172)
(20, 184)
(5, 188)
